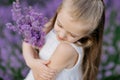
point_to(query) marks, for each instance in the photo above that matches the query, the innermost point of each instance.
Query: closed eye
(60, 26)
(73, 36)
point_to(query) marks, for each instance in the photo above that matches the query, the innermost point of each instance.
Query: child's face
(67, 29)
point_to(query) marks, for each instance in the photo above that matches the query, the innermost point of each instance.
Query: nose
(62, 35)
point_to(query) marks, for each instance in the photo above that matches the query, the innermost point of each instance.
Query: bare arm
(29, 53)
(62, 57)
(38, 66)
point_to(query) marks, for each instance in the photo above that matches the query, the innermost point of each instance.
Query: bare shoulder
(62, 56)
(66, 48)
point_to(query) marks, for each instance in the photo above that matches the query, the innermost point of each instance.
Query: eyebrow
(67, 31)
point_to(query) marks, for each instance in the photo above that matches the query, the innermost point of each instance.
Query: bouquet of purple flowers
(29, 24)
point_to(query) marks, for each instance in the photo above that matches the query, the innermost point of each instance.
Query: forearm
(29, 53)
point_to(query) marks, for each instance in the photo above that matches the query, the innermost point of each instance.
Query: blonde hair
(92, 12)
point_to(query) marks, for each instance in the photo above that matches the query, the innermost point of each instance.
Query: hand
(34, 47)
(28, 48)
(39, 67)
(41, 71)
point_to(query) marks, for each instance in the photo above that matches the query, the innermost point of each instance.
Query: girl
(73, 44)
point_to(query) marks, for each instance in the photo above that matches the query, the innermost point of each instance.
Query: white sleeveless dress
(74, 73)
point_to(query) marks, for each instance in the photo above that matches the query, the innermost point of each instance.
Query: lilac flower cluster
(29, 24)
(12, 65)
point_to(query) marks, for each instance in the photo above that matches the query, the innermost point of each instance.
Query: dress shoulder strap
(79, 49)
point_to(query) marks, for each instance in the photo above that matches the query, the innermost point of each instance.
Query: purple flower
(29, 24)
(99, 76)
(25, 71)
(117, 69)
(118, 18)
(104, 58)
(7, 77)
(4, 55)
(109, 66)
(116, 5)
(15, 62)
(111, 50)
(108, 73)
(5, 16)
(1, 73)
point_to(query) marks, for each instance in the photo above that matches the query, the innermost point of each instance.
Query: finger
(48, 77)
(48, 74)
(44, 77)
(47, 69)
(38, 77)
(45, 61)
(50, 70)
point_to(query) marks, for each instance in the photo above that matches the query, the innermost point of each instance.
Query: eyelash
(60, 26)
(70, 34)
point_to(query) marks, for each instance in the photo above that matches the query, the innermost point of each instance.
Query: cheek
(57, 28)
